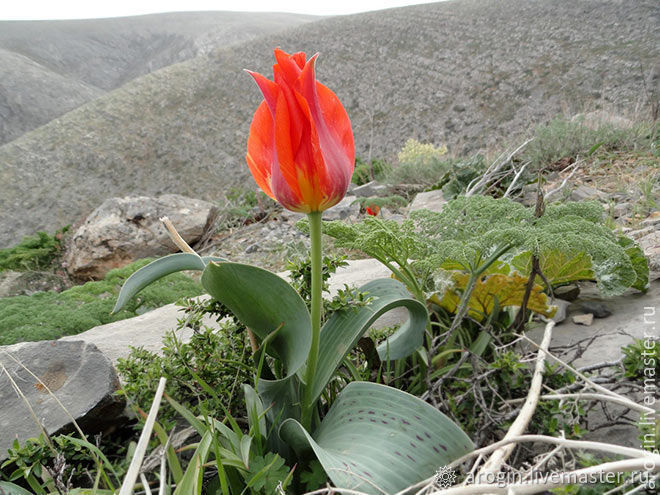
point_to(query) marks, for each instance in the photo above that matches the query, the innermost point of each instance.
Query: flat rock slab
(77, 373)
(634, 316)
(609, 334)
(146, 330)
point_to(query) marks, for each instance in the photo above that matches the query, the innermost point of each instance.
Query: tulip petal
(288, 65)
(285, 177)
(333, 134)
(268, 88)
(261, 148)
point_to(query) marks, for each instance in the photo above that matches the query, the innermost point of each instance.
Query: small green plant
(421, 164)
(242, 207)
(219, 357)
(50, 315)
(35, 252)
(563, 138)
(365, 172)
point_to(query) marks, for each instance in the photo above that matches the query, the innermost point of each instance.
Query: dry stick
(515, 179)
(563, 442)
(143, 442)
(497, 459)
(590, 396)
(575, 166)
(145, 483)
(493, 169)
(176, 238)
(519, 321)
(185, 247)
(624, 400)
(556, 480)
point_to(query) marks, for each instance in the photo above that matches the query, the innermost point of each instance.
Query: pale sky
(86, 9)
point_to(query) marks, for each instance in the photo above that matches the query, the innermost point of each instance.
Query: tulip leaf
(158, 269)
(380, 440)
(264, 303)
(344, 328)
(7, 488)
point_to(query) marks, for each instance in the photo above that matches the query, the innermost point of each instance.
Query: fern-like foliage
(481, 234)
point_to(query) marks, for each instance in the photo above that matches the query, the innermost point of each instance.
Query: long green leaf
(190, 483)
(158, 269)
(7, 488)
(380, 440)
(263, 302)
(344, 328)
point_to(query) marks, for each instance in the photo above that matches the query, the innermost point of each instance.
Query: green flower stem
(317, 288)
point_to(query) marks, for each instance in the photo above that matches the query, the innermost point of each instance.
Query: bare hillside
(465, 72)
(48, 68)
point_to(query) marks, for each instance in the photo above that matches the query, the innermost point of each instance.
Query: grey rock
(585, 193)
(77, 373)
(123, 230)
(605, 339)
(650, 244)
(369, 190)
(583, 319)
(430, 200)
(253, 248)
(640, 233)
(653, 220)
(346, 209)
(27, 283)
(567, 292)
(562, 310)
(621, 210)
(147, 331)
(597, 308)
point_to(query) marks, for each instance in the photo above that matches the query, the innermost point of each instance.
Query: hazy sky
(84, 9)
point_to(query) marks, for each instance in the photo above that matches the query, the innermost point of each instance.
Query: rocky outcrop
(53, 376)
(27, 283)
(123, 230)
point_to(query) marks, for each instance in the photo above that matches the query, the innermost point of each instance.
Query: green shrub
(366, 172)
(220, 359)
(35, 252)
(563, 138)
(421, 164)
(50, 315)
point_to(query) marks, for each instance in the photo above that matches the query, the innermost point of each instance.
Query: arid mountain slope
(48, 68)
(465, 72)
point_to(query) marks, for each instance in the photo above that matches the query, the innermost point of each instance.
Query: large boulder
(123, 230)
(79, 376)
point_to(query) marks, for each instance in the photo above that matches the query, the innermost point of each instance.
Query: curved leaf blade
(264, 302)
(377, 439)
(344, 328)
(158, 269)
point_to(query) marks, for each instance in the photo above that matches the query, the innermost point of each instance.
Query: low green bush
(35, 252)
(563, 138)
(50, 315)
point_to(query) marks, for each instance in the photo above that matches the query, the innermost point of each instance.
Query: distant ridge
(466, 73)
(48, 68)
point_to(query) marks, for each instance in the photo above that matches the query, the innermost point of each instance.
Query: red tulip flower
(373, 210)
(300, 150)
